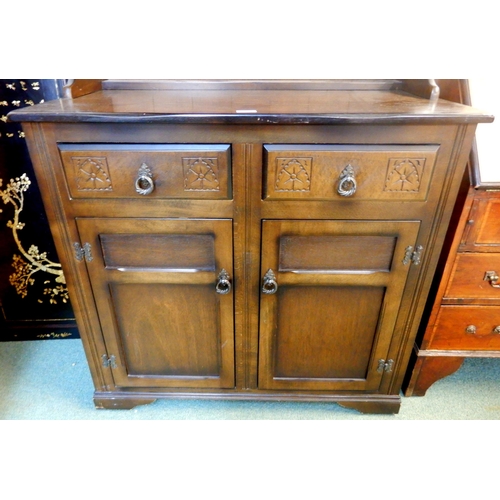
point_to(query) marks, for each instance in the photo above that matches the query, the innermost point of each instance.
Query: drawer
(467, 328)
(357, 172)
(482, 233)
(468, 283)
(159, 171)
(489, 229)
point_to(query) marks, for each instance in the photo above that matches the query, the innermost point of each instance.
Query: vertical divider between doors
(247, 263)
(253, 171)
(242, 160)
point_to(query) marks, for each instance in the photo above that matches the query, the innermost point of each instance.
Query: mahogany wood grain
(464, 314)
(467, 284)
(467, 328)
(483, 224)
(430, 369)
(78, 87)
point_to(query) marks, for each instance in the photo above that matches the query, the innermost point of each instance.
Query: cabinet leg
(380, 407)
(430, 369)
(109, 402)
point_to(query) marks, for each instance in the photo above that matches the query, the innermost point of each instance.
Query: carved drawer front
(467, 327)
(474, 279)
(147, 170)
(357, 172)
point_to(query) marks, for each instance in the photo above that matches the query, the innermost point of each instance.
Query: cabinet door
(338, 287)
(166, 315)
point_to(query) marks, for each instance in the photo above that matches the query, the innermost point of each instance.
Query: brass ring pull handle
(269, 285)
(223, 285)
(347, 182)
(144, 183)
(492, 278)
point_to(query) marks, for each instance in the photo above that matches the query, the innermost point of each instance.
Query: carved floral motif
(404, 174)
(200, 174)
(293, 174)
(92, 174)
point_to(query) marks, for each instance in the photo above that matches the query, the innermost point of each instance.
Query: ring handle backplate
(144, 183)
(347, 182)
(269, 284)
(223, 284)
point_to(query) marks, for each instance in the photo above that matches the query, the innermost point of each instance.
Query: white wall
(485, 95)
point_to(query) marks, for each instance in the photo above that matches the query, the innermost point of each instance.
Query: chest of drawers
(254, 240)
(463, 320)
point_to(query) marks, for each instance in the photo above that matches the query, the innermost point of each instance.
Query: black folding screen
(34, 303)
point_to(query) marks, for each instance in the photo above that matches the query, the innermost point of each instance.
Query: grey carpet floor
(50, 380)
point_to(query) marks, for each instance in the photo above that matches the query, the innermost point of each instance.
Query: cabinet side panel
(39, 139)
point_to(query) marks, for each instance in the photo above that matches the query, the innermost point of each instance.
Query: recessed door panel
(331, 253)
(177, 331)
(194, 252)
(344, 347)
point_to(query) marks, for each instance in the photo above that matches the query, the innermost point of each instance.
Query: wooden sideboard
(270, 240)
(463, 319)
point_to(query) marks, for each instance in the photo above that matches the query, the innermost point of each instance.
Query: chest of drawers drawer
(185, 171)
(467, 328)
(361, 172)
(472, 279)
(482, 232)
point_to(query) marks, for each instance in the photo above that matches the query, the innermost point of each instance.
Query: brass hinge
(413, 255)
(108, 362)
(385, 366)
(84, 252)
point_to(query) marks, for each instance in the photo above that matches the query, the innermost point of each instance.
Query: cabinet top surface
(254, 106)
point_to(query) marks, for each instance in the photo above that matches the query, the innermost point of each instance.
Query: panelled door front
(330, 295)
(163, 290)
